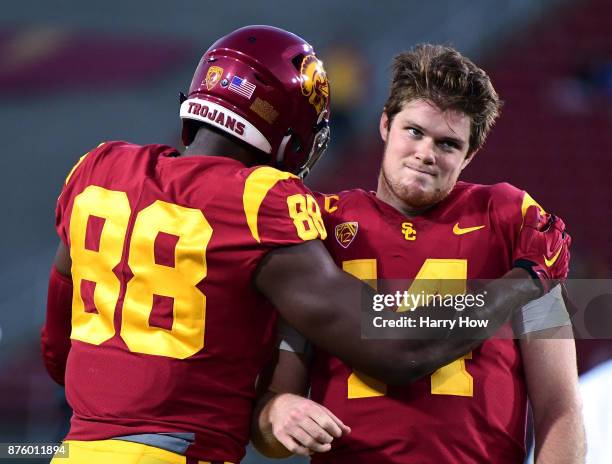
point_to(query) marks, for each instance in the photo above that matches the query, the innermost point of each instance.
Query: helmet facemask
(319, 145)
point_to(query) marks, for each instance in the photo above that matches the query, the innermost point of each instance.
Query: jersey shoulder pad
(102, 151)
(279, 209)
(80, 176)
(90, 154)
(511, 202)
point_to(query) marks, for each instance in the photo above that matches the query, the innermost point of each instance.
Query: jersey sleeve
(509, 206)
(548, 311)
(279, 209)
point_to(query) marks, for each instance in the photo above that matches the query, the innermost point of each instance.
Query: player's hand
(543, 248)
(304, 426)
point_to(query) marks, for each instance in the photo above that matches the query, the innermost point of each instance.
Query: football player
(423, 224)
(160, 314)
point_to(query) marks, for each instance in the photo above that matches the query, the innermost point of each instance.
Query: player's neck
(386, 194)
(211, 143)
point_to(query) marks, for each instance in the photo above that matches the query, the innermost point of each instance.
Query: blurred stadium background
(73, 74)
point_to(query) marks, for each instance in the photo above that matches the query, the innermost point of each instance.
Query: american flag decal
(242, 87)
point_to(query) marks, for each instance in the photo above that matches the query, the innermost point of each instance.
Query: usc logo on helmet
(314, 82)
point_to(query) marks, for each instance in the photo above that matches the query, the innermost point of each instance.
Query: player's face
(425, 151)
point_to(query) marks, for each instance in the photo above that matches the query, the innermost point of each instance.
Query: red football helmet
(265, 86)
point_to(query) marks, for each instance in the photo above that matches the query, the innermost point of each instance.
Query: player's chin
(416, 186)
(418, 196)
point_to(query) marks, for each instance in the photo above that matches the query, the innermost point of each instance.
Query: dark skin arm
(321, 301)
(62, 261)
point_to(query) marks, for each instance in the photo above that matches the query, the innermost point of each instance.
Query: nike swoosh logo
(550, 262)
(460, 231)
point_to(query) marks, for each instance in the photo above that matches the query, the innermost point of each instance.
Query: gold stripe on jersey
(256, 187)
(527, 202)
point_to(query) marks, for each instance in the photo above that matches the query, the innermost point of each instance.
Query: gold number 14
(444, 276)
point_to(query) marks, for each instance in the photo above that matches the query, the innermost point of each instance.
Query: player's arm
(322, 302)
(284, 421)
(55, 333)
(552, 386)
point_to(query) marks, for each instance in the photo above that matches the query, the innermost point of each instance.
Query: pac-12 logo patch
(345, 233)
(213, 76)
(314, 82)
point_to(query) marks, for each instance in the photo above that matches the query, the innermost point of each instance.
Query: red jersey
(470, 411)
(168, 331)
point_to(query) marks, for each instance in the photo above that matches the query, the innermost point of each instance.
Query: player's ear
(384, 126)
(468, 159)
